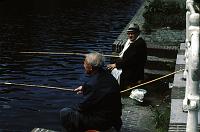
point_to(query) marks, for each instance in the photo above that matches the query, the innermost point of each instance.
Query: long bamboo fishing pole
(63, 53)
(152, 80)
(39, 86)
(58, 88)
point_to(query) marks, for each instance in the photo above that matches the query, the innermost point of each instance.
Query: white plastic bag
(138, 94)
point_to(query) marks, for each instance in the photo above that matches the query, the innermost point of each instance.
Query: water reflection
(54, 26)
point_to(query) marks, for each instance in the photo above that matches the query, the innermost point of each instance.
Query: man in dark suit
(101, 106)
(132, 59)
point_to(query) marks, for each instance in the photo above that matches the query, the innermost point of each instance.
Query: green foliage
(161, 118)
(164, 13)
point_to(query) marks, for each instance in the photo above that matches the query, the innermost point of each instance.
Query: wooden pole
(39, 86)
(63, 53)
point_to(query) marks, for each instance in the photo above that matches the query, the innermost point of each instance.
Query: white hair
(95, 59)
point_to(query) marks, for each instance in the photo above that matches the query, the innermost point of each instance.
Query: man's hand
(79, 90)
(111, 66)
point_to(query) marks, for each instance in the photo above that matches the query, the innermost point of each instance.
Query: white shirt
(127, 44)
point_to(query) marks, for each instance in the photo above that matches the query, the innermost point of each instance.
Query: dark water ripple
(51, 26)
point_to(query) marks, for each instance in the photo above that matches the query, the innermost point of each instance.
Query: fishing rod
(39, 86)
(63, 53)
(58, 88)
(151, 81)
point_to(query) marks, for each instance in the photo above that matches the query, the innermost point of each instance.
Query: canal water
(51, 26)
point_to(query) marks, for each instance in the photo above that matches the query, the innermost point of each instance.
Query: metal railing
(192, 67)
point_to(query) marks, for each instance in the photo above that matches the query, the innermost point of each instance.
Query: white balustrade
(192, 67)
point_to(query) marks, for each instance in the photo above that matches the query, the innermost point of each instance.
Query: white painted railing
(192, 67)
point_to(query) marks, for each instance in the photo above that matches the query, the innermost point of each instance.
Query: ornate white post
(187, 44)
(194, 77)
(187, 51)
(191, 101)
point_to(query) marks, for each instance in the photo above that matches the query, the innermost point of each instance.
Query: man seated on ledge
(101, 107)
(129, 68)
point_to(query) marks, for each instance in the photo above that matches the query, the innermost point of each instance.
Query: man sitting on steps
(101, 106)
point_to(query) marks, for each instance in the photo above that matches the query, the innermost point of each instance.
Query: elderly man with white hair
(101, 106)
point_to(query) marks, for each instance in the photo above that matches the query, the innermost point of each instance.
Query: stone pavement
(178, 118)
(136, 118)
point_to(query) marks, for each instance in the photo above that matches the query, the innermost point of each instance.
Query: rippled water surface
(51, 26)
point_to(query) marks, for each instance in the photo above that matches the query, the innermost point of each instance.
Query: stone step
(159, 50)
(47, 130)
(161, 59)
(157, 63)
(42, 130)
(172, 47)
(162, 53)
(178, 127)
(150, 75)
(156, 72)
(178, 118)
(155, 53)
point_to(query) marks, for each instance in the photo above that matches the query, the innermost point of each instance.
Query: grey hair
(95, 59)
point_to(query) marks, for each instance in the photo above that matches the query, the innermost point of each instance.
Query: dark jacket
(132, 63)
(102, 100)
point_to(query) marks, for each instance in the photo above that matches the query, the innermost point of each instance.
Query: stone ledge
(178, 127)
